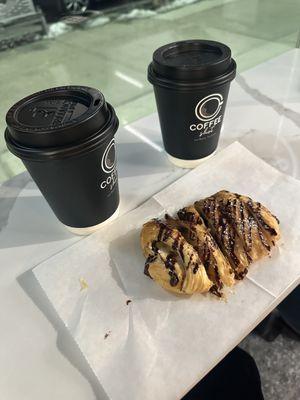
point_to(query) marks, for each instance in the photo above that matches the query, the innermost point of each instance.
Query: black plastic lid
(60, 152)
(57, 117)
(191, 63)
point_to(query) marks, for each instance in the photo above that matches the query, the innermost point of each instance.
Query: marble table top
(38, 358)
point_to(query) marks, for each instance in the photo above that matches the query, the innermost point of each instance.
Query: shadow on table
(65, 342)
(26, 220)
(31, 222)
(9, 192)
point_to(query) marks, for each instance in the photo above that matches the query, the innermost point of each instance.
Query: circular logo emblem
(209, 107)
(109, 157)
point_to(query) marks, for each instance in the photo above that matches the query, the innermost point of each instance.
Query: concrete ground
(114, 58)
(279, 365)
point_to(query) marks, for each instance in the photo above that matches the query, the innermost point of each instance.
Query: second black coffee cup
(191, 82)
(65, 138)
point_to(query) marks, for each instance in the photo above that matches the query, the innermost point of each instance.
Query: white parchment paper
(142, 342)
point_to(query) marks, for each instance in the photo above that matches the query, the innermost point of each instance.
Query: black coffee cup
(65, 138)
(191, 82)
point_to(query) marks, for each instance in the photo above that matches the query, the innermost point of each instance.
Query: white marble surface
(37, 356)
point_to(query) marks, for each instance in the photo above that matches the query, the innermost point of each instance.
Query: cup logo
(209, 107)
(209, 117)
(109, 158)
(108, 165)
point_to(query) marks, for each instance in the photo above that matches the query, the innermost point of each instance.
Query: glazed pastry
(192, 227)
(208, 245)
(171, 261)
(225, 234)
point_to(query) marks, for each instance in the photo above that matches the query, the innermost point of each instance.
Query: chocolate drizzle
(174, 278)
(164, 232)
(221, 215)
(248, 238)
(170, 264)
(161, 231)
(229, 240)
(216, 289)
(242, 220)
(190, 260)
(213, 211)
(241, 274)
(231, 218)
(181, 250)
(217, 277)
(263, 240)
(260, 219)
(250, 218)
(167, 233)
(188, 216)
(170, 261)
(206, 255)
(154, 246)
(150, 259)
(178, 245)
(195, 269)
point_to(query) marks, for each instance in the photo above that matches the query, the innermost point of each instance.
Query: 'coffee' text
(205, 125)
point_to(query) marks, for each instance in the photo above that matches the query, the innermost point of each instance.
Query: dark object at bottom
(270, 327)
(289, 310)
(236, 377)
(285, 319)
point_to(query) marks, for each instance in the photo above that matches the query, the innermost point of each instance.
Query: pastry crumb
(83, 284)
(107, 334)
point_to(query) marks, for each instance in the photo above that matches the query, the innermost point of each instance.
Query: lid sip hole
(96, 102)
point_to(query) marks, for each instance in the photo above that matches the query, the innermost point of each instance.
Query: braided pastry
(208, 245)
